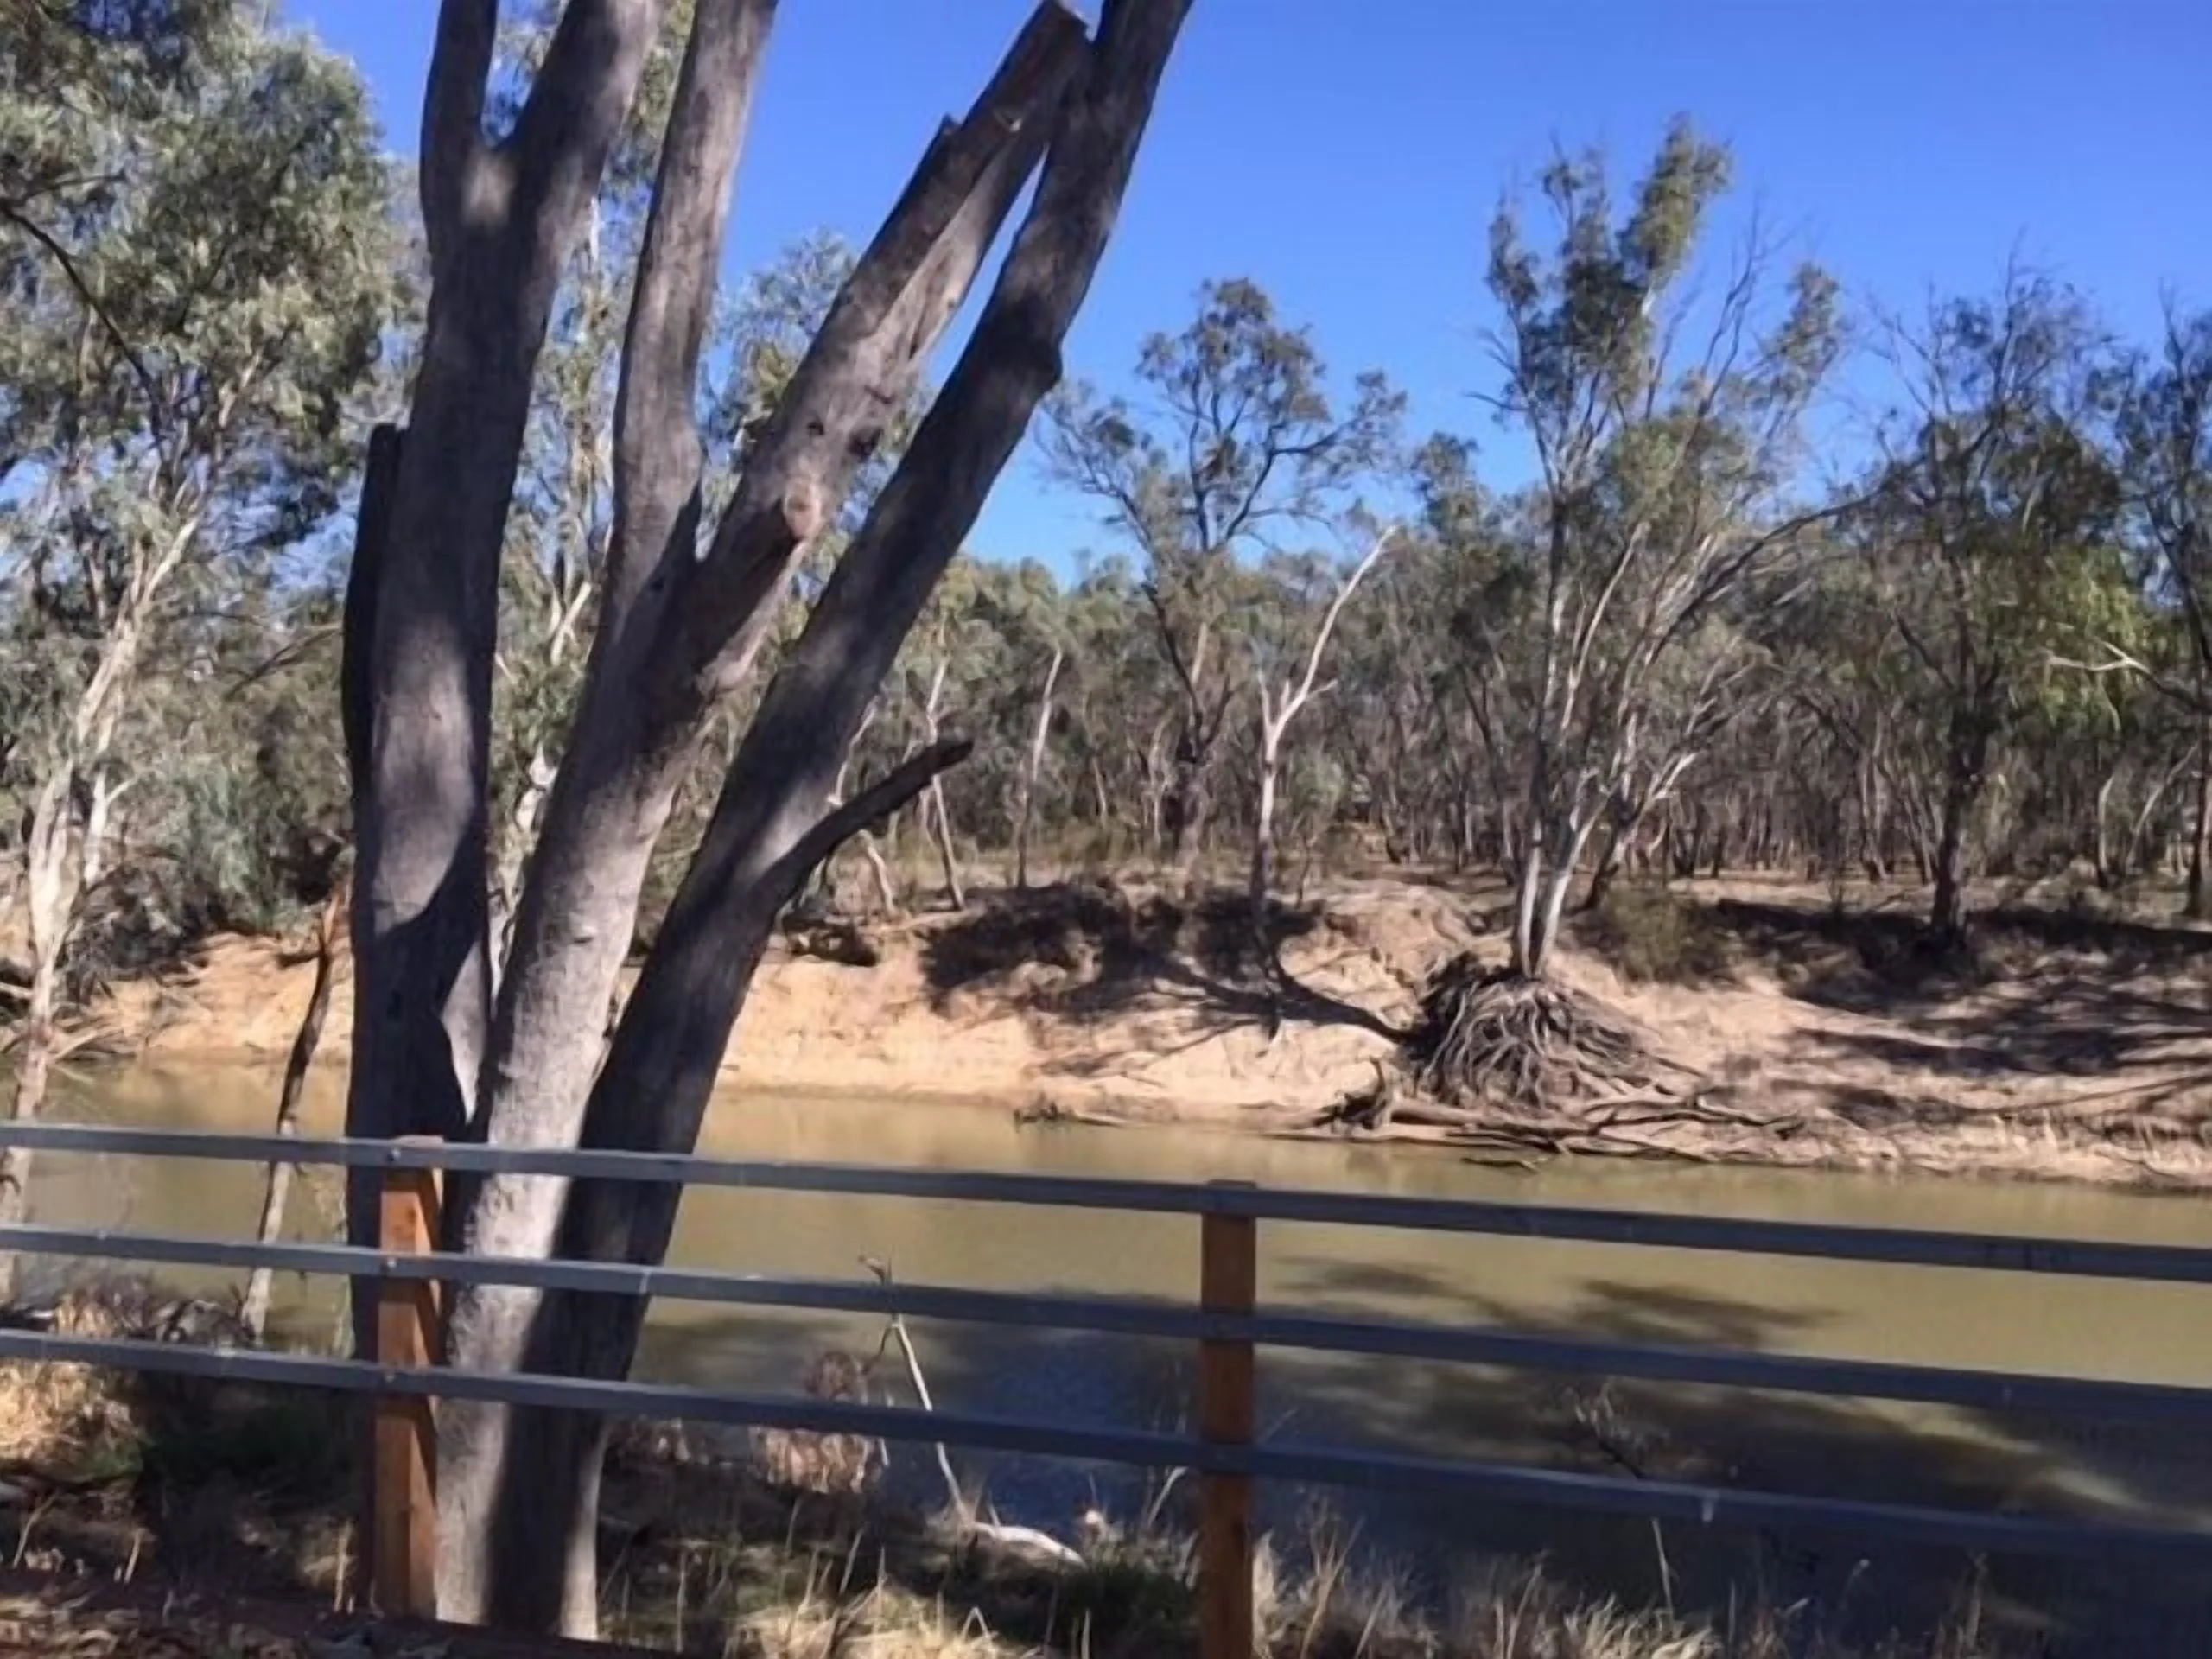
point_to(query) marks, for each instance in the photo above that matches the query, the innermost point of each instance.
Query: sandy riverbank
(2075, 1046)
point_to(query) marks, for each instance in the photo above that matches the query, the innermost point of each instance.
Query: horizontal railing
(1656, 1230)
(1228, 1327)
(2143, 1402)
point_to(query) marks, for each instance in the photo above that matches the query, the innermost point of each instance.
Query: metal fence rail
(1227, 1328)
(2141, 1402)
(2170, 1263)
(1353, 1470)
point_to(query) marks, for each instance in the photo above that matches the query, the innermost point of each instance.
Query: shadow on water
(1727, 1438)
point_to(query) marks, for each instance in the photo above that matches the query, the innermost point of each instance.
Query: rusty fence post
(1228, 1283)
(403, 1573)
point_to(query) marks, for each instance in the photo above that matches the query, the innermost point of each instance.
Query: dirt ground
(2076, 1043)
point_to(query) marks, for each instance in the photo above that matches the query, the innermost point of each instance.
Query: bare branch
(870, 349)
(1305, 690)
(2117, 661)
(877, 802)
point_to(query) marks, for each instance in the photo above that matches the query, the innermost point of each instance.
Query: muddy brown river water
(1904, 1453)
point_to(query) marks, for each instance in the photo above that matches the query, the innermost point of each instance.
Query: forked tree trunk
(1552, 912)
(1279, 707)
(329, 940)
(422, 600)
(1545, 880)
(678, 632)
(66, 845)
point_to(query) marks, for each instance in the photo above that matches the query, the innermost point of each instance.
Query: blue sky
(1348, 154)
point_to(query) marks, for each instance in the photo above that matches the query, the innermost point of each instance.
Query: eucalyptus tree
(1990, 535)
(1236, 441)
(1285, 674)
(1664, 474)
(689, 602)
(2165, 439)
(195, 224)
(1667, 441)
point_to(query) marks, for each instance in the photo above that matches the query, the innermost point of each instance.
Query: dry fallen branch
(1024, 1541)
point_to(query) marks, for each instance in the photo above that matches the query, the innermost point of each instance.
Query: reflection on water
(2147, 1332)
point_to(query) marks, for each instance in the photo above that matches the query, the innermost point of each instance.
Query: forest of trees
(1968, 644)
(1951, 628)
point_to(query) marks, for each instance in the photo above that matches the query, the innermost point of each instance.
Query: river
(1911, 1454)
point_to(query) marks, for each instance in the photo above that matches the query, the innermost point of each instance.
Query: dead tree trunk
(1033, 767)
(938, 816)
(329, 938)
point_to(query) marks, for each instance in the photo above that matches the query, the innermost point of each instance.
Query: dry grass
(66, 1416)
(800, 1460)
(825, 1605)
(720, 1572)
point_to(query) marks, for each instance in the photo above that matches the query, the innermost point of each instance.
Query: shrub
(1648, 933)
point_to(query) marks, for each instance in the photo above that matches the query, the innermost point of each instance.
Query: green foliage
(202, 270)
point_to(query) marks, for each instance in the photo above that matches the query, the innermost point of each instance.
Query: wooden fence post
(403, 1576)
(1228, 1283)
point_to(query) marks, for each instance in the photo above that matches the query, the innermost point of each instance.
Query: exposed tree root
(1531, 1048)
(1505, 1064)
